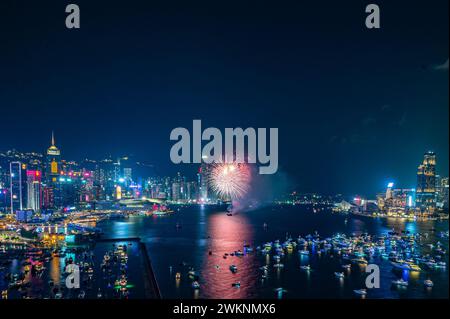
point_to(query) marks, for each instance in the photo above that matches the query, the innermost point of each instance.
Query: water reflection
(227, 235)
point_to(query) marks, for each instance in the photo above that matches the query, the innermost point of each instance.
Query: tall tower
(426, 183)
(15, 172)
(53, 160)
(34, 194)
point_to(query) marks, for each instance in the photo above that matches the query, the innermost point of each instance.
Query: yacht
(361, 292)
(307, 267)
(400, 282)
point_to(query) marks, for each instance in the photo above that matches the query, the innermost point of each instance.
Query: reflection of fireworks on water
(230, 180)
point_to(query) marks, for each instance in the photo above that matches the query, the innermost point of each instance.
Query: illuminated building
(118, 193)
(15, 171)
(127, 174)
(426, 183)
(442, 193)
(202, 181)
(24, 216)
(48, 200)
(53, 159)
(176, 192)
(389, 191)
(404, 198)
(34, 195)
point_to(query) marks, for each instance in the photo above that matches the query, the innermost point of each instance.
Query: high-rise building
(48, 198)
(34, 194)
(175, 191)
(426, 183)
(53, 160)
(15, 172)
(128, 174)
(202, 180)
(442, 194)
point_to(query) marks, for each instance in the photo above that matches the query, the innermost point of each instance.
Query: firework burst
(230, 180)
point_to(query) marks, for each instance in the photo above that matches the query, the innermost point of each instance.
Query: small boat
(339, 274)
(280, 290)
(303, 252)
(347, 266)
(307, 267)
(406, 266)
(428, 283)
(81, 295)
(236, 284)
(233, 268)
(361, 292)
(195, 285)
(278, 265)
(400, 282)
(178, 276)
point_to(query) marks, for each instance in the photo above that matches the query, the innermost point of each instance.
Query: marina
(203, 252)
(238, 257)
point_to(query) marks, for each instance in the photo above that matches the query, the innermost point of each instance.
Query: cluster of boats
(35, 261)
(402, 251)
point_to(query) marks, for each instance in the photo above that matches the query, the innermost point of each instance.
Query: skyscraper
(53, 159)
(15, 171)
(426, 183)
(34, 194)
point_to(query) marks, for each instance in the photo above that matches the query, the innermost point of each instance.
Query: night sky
(355, 107)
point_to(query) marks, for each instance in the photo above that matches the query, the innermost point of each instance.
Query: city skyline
(41, 171)
(191, 170)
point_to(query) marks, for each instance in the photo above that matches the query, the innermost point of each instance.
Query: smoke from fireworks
(230, 180)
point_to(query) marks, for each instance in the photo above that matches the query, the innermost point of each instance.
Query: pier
(152, 290)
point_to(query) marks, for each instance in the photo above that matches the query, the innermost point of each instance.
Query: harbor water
(197, 238)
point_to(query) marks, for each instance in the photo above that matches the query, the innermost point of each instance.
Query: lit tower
(53, 159)
(15, 172)
(426, 183)
(34, 190)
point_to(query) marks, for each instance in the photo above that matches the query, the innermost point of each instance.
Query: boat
(406, 266)
(81, 295)
(361, 261)
(233, 268)
(236, 284)
(428, 283)
(347, 266)
(195, 285)
(339, 274)
(307, 267)
(278, 265)
(303, 252)
(361, 292)
(400, 282)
